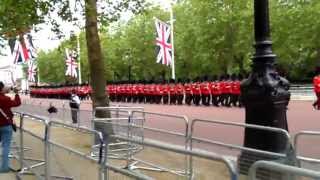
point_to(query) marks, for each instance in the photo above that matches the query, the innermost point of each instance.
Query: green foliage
(211, 37)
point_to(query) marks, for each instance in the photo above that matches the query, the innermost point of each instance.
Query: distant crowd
(222, 91)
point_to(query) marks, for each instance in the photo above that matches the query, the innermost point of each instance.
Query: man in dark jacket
(6, 124)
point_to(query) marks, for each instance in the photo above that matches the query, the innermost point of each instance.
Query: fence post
(21, 141)
(47, 167)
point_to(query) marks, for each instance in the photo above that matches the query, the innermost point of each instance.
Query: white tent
(9, 72)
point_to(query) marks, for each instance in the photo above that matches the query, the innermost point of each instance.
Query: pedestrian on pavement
(7, 123)
(74, 106)
(316, 85)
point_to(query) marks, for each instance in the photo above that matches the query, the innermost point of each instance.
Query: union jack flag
(32, 51)
(19, 51)
(71, 63)
(163, 42)
(22, 49)
(32, 71)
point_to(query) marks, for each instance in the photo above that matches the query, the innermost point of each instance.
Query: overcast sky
(46, 40)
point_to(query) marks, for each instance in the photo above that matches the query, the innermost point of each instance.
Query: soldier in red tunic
(223, 94)
(316, 85)
(205, 91)
(165, 96)
(215, 91)
(141, 92)
(179, 88)
(135, 92)
(228, 90)
(235, 90)
(188, 92)
(196, 92)
(173, 93)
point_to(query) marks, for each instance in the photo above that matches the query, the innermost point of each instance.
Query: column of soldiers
(222, 91)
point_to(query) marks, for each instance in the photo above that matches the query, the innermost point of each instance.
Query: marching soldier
(188, 92)
(223, 94)
(196, 92)
(173, 93)
(179, 88)
(215, 91)
(316, 85)
(165, 96)
(205, 92)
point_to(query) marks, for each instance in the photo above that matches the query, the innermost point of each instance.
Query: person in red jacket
(316, 86)
(6, 124)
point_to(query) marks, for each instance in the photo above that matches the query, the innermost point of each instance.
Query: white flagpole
(79, 59)
(38, 73)
(172, 41)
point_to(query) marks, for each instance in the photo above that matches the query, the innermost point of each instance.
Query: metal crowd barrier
(285, 169)
(25, 167)
(213, 157)
(288, 151)
(120, 122)
(49, 144)
(297, 138)
(134, 127)
(183, 133)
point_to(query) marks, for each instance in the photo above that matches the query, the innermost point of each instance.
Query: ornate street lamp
(265, 94)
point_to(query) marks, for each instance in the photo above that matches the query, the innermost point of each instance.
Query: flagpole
(38, 74)
(172, 41)
(79, 59)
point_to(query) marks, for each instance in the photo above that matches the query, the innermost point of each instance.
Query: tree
(19, 16)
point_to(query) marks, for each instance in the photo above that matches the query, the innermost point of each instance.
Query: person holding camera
(74, 105)
(7, 123)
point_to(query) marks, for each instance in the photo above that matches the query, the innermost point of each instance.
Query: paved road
(301, 116)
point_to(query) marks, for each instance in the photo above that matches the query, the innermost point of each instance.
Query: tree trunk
(96, 66)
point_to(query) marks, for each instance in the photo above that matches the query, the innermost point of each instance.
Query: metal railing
(288, 153)
(231, 168)
(296, 141)
(48, 143)
(284, 169)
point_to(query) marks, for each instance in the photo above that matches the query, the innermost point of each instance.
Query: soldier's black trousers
(196, 99)
(205, 100)
(188, 99)
(173, 99)
(180, 99)
(215, 100)
(165, 99)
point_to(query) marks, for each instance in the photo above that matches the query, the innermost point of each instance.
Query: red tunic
(204, 87)
(187, 88)
(179, 88)
(215, 88)
(228, 87)
(236, 87)
(172, 89)
(165, 89)
(196, 88)
(316, 84)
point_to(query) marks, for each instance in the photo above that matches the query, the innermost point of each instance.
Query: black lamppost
(265, 94)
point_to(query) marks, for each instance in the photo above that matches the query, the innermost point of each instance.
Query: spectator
(74, 105)
(7, 123)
